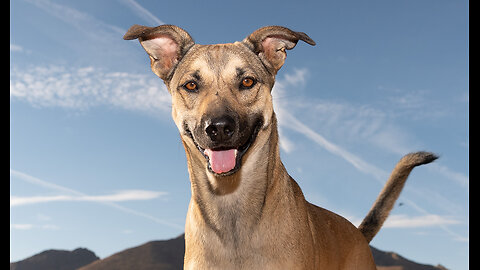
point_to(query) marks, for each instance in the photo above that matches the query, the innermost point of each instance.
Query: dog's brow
(196, 75)
(240, 72)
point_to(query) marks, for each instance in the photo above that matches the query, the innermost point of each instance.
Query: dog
(246, 212)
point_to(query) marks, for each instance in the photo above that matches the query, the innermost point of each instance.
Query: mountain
(56, 260)
(168, 255)
(393, 261)
(154, 255)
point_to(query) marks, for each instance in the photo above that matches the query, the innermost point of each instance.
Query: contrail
(142, 12)
(34, 180)
(363, 166)
(287, 120)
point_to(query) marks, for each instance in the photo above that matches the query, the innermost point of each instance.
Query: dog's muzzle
(223, 142)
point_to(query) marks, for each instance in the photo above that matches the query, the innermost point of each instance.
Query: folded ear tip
(128, 37)
(306, 38)
(310, 41)
(134, 32)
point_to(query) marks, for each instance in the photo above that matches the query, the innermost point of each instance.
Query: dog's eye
(247, 83)
(190, 86)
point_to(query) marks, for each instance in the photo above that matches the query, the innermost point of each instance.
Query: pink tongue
(222, 161)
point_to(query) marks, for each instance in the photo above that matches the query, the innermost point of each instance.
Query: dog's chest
(251, 253)
(237, 244)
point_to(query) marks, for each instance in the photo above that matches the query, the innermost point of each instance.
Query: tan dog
(246, 212)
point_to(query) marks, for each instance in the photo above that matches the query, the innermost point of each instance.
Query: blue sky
(97, 162)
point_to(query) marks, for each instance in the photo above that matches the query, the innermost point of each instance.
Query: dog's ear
(165, 44)
(270, 43)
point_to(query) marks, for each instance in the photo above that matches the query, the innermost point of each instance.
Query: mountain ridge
(164, 255)
(54, 259)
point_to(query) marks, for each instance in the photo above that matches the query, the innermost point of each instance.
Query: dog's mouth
(224, 161)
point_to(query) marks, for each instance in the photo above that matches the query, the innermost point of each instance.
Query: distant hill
(56, 260)
(154, 255)
(168, 255)
(392, 261)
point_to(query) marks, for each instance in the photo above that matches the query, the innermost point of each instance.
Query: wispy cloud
(288, 121)
(80, 88)
(404, 221)
(125, 195)
(443, 226)
(21, 226)
(416, 104)
(74, 195)
(340, 119)
(142, 12)
(350, 122)
(25, 227)
(36, 181)
(457, 177)
(83, 22)
(83, 88)
(88, 39)
(293, 123)
(16, 48)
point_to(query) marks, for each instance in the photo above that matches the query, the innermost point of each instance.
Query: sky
(97, 162)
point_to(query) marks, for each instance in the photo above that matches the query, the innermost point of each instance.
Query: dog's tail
(374, 220)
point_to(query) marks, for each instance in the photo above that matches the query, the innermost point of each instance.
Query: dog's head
(221, 94)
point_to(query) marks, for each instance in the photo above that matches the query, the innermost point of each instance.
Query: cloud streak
(25, 227)
(288, 121)
(83, 22)
(348, 122)
(404, 221)
(121, 196)
(73, 195)
(16, 48)
(83, 88)
(142, 12)
(421, 221)
(88, 40)
(293, 123)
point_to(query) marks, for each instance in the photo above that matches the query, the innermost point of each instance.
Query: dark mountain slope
(164, 255)
(56, 260)
(154, 255)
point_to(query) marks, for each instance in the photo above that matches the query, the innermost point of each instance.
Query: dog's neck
(232, 205)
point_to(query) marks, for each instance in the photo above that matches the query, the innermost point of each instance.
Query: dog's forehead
(220, 60)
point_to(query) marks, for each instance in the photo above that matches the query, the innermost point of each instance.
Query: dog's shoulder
(323, 216)
(331, 225)
(341, 237)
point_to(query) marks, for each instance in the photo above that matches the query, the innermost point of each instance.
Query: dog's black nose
(220, 129)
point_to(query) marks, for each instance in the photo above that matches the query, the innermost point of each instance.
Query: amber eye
(190, 86)
(247, 83)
